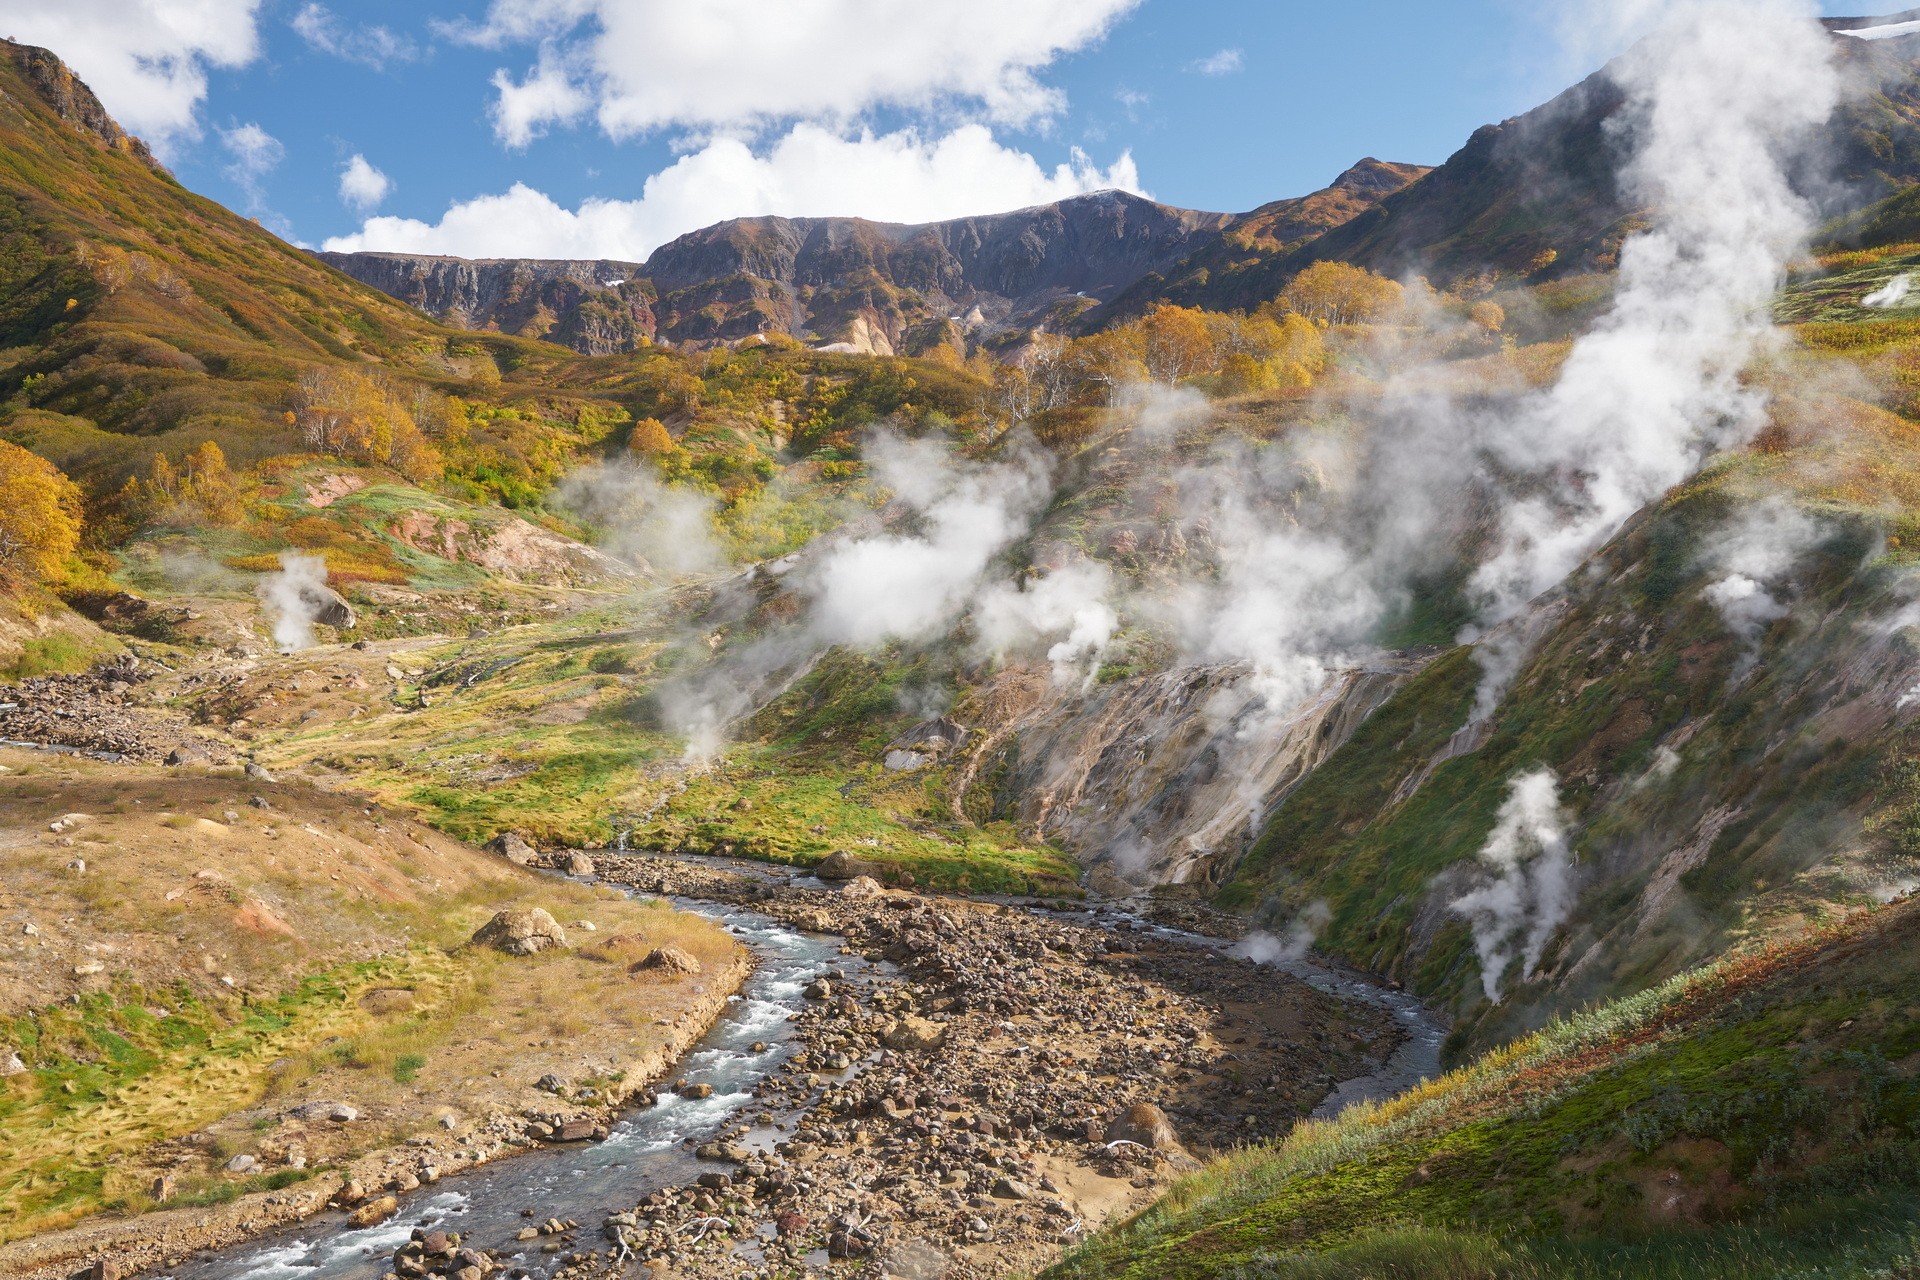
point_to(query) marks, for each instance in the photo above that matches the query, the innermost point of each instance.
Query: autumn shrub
(39, 521)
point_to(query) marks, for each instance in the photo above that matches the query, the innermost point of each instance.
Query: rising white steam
(1070, 602)
(1891, 294)
(1756, 554)
(1292, 943)
(913, 586)
(645, 521)
(296, 598)
(1721, 99)
(1528, 887)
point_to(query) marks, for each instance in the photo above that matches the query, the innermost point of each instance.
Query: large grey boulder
(521, 933)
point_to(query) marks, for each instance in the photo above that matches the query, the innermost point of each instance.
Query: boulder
(11, 1064)
(521, 933)
(695, 1092)
(187, 753)
(841, 865)
(913, 1034)
(1145, 1124)
(670, 959)
(579, 864)
(513, 848)
(862, 887)
(374, 1211)
(914, 1260)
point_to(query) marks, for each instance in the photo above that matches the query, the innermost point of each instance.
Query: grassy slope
(1740, 1120)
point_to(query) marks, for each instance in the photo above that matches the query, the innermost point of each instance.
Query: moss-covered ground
(1761, 1113)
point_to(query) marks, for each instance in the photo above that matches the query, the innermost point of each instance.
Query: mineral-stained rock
(521, 933)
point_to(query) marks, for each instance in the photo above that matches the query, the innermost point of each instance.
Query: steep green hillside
(1759, 1116)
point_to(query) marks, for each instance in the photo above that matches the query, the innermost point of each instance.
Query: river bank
(160, 1239)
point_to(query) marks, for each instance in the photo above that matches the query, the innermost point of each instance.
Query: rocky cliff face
(72, 100)
(824, 280)
(597, 306)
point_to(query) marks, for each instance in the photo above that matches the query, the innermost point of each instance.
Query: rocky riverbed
(1023, 1079)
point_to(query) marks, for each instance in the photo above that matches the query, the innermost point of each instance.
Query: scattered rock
(695, 1092)
(521, 933)
(917, 1035)
(1011, 1189)
(671, 959)
(579, 864)
(862, 887)
(511, 846)
(187, 753)
(374, 1211)
(841, 865)
(1145, 1124)
(242, 1163)
(255, 773)
(551, 1083)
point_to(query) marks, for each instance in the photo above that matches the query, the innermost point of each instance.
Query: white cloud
(147, 59)
(362, 186)
(374, 47)
(731, 64)
(525, 108)
(1223, 63)
(810, 171)
(256, 153)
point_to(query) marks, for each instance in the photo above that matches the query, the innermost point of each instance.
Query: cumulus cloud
(810, 171)
(546, 96)
(362, 186)
(146, 59)
(647, 65)
(1223, 63)
(373, 46)
(254, 154)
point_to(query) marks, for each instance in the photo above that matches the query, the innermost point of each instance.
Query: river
(647, 1149)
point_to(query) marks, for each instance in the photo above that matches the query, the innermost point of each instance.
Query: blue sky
(956, 106)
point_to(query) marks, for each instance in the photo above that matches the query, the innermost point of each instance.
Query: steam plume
(297, 597)
(1529, 881)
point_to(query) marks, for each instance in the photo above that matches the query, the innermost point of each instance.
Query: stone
(914, 1034)
(11, 1065)
(1011, 1189)
(574, 1131)
(579, 864)
(818, 989)
(841, 865)
(511, 846)
(914, 1260)
(162, 1189)
(374, 1211)
(521, 933)
(242, 1163)
(551, 1083)
(1145, 1124)
(338, 1112)
(186, 753)
(862, 887)
(695, 1092)
(671, 959)
(434, 1243)
(104, 1269)
(255, 773)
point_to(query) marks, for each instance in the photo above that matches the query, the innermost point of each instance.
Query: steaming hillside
(1538, 636)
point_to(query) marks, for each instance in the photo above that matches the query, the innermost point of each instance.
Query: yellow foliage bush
(349, 415)
(39, 521)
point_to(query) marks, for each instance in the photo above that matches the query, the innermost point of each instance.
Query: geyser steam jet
(1721, 100)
